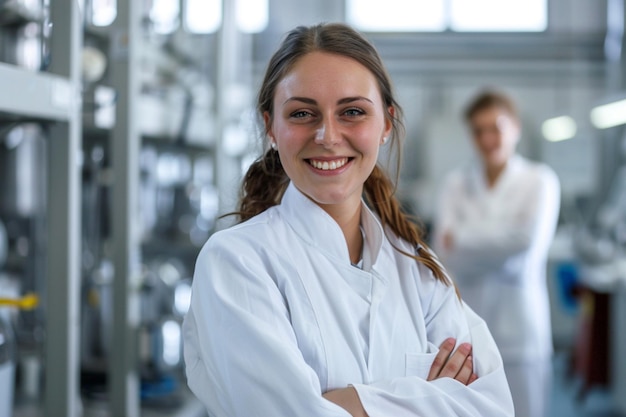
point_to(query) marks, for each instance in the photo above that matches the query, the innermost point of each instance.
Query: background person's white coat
(280, 316)
(501, 238)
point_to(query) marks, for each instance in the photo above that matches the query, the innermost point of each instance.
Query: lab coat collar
(320, 230)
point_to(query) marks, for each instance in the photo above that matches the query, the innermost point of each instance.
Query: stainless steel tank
(22, 170)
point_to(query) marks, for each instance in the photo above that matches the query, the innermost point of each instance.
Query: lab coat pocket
(418, 364)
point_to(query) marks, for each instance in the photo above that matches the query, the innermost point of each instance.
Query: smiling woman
(328, 125)
(324, 300)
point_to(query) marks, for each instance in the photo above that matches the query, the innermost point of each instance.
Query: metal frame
(126, 142)
(58, 97)
(225, 169)
(37, 95)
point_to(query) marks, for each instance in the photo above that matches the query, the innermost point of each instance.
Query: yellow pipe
(28, 302)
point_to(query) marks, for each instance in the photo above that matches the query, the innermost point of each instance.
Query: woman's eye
(354, 112)
(300, 114)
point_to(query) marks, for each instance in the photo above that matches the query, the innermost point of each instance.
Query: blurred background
(125, 127)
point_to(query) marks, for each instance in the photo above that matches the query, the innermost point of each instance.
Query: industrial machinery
(177, 210)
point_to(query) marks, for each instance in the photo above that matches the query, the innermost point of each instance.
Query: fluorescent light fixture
(396, 15)
(203, 16)
(559, 128)
(609, 115)
(252, 15)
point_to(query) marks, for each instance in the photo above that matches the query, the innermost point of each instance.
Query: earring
(273, 145)
(385, 139)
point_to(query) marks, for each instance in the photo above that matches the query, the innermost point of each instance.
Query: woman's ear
(267, 121)
(391, 112)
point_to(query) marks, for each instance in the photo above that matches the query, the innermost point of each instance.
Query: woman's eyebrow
(301, 99)
(352, 99)
(340, 101)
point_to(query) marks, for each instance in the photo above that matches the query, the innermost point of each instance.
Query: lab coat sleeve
(448, 220)
(412, 395)
(484, 246)
(241, 354)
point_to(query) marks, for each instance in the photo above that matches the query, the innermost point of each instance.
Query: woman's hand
(457, 365)
(348, 399)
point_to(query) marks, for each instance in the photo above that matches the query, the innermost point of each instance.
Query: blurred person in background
(495, 223)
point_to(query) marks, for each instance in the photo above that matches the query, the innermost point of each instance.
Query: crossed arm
(477, 244)
(448, 363)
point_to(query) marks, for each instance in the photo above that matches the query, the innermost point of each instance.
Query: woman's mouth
(328, 165)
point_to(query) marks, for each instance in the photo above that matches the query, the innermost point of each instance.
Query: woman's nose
(327, 134)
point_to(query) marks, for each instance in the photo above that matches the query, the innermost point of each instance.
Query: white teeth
(328, 166)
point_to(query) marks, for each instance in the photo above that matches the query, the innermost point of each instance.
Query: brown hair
(265, 182)
(489, 99)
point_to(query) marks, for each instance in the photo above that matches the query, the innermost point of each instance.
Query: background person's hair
(265, 182)
(489, 99)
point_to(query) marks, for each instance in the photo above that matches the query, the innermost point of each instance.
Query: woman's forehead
(328, 74)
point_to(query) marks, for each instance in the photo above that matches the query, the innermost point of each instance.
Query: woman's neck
(350, 224)
(493, 172)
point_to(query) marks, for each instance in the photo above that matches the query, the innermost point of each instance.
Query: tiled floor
(597, 403)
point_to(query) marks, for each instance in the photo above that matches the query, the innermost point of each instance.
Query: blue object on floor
(567, 279)
(163, 386)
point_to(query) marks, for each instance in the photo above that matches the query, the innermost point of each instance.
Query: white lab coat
(279, 316)
(501, 240)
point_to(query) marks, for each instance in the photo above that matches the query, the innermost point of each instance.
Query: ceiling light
(559, 128)
(609, 115)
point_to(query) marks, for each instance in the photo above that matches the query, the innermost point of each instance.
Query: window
(205, 16)
(103, 12)
(252, 15)
(396, 15)
(456, 15)
(164, 15)
(202, 16)
(498, 15)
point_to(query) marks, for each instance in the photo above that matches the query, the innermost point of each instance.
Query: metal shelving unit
(42, 96)
(125, 141)
(53, 98)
